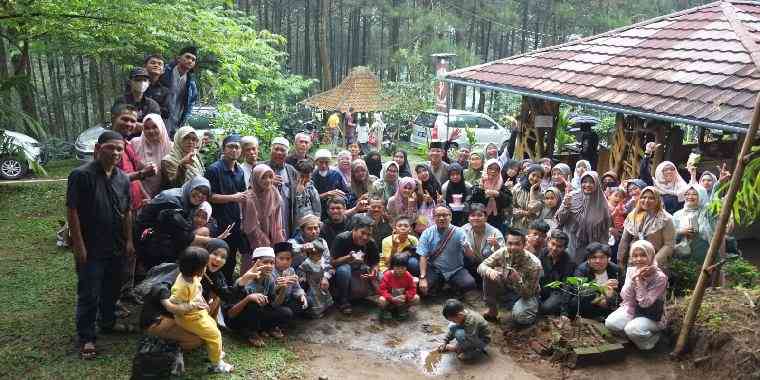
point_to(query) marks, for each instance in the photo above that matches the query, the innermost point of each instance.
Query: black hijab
(432, 186)
(455, 188)
(404, 171)
(374, 163)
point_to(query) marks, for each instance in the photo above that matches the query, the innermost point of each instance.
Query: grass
(38, 282)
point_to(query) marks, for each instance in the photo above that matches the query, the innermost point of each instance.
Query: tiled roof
(360, 90)
(689, 67)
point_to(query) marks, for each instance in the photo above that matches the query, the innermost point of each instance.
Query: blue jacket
(191, 91)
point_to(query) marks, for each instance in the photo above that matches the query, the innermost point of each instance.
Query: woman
(355, 150)
(694, 225)
(475, 169)
(492, 151)
(527, 198)
(216, 292)
(151, 147)
(361, 181)
(649, 221)
(494, 194)
(610, 181)
(455, 193)
(183, 161)
(374, 163)
(546, 180)
(581, 167)
(552, 199)
(671, 186)
(164, 227)
(401, 159)
(598, 268)
(641, 313)
(405, 201)
(262, 220)
(561, 177)
(510, 173)
(633, 187)
(344, 166)
(584, 215)
(376, 131)
(387, 185)
(431, 188)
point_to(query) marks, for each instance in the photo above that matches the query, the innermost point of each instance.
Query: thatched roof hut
(360, 90)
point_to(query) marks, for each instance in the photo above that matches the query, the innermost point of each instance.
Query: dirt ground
(362, 347)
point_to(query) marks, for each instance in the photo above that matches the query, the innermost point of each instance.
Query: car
(13, 165)
(201, 118)
(487, 130)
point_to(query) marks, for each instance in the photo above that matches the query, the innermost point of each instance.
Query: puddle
(432, 363)
(394, 342)
(432, 329)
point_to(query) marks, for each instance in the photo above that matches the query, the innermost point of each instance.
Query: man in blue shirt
(228, 191)
(327, 181)
(442, 249)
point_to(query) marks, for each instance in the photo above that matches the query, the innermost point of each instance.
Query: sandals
(256, 341)
(88, 351)
(490, 317)
(222, 367)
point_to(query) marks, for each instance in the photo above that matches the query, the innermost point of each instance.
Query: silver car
(486, 129)
(13, 166)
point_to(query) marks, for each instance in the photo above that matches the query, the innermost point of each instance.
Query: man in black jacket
(557, 266)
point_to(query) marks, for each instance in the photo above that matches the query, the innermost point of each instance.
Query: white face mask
(141, 85)
(323, 173)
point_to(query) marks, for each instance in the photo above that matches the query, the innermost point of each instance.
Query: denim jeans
(467, 344)
(342, 283)
(98, 284)
(524, 310)
(461, 280)
(413, 265)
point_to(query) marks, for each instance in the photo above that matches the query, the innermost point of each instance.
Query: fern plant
(746, 207)
(577, 287)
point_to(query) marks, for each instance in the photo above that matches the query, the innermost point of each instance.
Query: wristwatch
(423, 277)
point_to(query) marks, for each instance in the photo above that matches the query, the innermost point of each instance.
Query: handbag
(653, 312)
(156, 359)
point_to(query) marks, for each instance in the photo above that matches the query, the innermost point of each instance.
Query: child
(202, 222)
(286, 283)
(397, 289)
(313, 273)
(468, 328)
(399, 241)
(187, 293)
(616, 204)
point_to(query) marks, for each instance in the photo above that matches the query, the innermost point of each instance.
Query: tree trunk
(84, 89)
(324, 54)
(48, 108)
(99, 101)
(24, 86)
(306, 38)
(393, 39)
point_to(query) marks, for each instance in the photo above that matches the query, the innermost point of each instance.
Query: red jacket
(391, 281)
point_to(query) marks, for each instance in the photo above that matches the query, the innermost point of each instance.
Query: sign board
(544, 121)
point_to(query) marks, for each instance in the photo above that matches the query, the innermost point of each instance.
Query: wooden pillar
(532, 139)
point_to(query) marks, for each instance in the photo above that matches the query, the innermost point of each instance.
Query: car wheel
(12, 168)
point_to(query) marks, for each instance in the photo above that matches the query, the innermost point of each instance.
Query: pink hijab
(154, 153)
(491, 184)
(262, 219)
(401, 203)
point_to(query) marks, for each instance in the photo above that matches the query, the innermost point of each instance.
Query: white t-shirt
(362, 133)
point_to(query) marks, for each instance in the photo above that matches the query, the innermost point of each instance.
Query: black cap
(138, 72)
(189, 49)
(436, 144)
(282, 246)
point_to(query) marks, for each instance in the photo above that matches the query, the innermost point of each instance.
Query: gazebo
(360, 90)
(692, 67)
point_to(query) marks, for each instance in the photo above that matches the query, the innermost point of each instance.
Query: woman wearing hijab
(431, 188)
(344, 166)
(183, 161)
(494, 194)
(527, 198)
(151, 147)
(510, 173)
(648, 221)
(610, 181)
(546, 181)
(633, 187)
(361, 181)
(671, 186)
(405, 201)
(164, 227)
(492, 151)
(694, 225)
(552, 199)
(374, 163)
(455, 193)
(474, 169)
(561, 176)
(387, 185)
(262, 220)
(641, 313)
(581, 167)
(403, 163)
(584, 215)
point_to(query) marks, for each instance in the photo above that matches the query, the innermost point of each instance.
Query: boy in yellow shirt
(399, 241)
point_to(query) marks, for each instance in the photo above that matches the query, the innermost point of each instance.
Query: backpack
(156, 359)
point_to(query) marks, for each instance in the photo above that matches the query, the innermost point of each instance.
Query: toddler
(287, 288)
(468, 328)
(314, 272)
(397, 289)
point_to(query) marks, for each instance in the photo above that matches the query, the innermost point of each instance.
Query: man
(286, 180)
(508, 274)
(250, 145)
(228, 191)
(484, 238)
(179, 79)
(337, 220)
(301, 149)
(442, 250)
(328, 182)
(381, 227)
(349, 131)
(354, 254)
(100, 222)
(536, 238)
(438, 168)
(331, 133)
(557, 265)
(154, 65)
(464, 157)
(139, 81)
(589, 144)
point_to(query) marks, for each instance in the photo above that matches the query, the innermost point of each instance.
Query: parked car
(16, 150)
(201, 118)
(487, 130)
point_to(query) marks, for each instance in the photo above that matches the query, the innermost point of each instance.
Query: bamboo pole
(720, 233)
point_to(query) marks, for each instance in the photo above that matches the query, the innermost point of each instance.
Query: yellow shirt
(333, 121)
(387, 246)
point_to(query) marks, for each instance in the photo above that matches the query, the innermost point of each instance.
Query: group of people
(306, 236)
(355, 130)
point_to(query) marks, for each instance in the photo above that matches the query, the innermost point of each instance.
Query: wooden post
(720, 233)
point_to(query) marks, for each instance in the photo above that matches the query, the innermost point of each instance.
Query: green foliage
(407, 99)
(563, 137)
(746, 207)
(685, 275)
(740, 272)
(606, 127)
(233, 120)
(577, 286)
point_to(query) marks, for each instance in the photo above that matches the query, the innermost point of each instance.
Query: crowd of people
(307, 237)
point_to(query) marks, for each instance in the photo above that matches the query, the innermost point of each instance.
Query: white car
(487, 130)
(12, 166)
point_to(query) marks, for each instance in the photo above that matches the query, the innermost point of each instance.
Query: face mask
(142, 86)
(323, 173)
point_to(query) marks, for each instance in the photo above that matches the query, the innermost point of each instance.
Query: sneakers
(221, 367)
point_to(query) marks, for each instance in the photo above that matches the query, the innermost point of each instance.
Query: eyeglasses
(442, 215)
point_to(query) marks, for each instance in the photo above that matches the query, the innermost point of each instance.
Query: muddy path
(362, 347)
